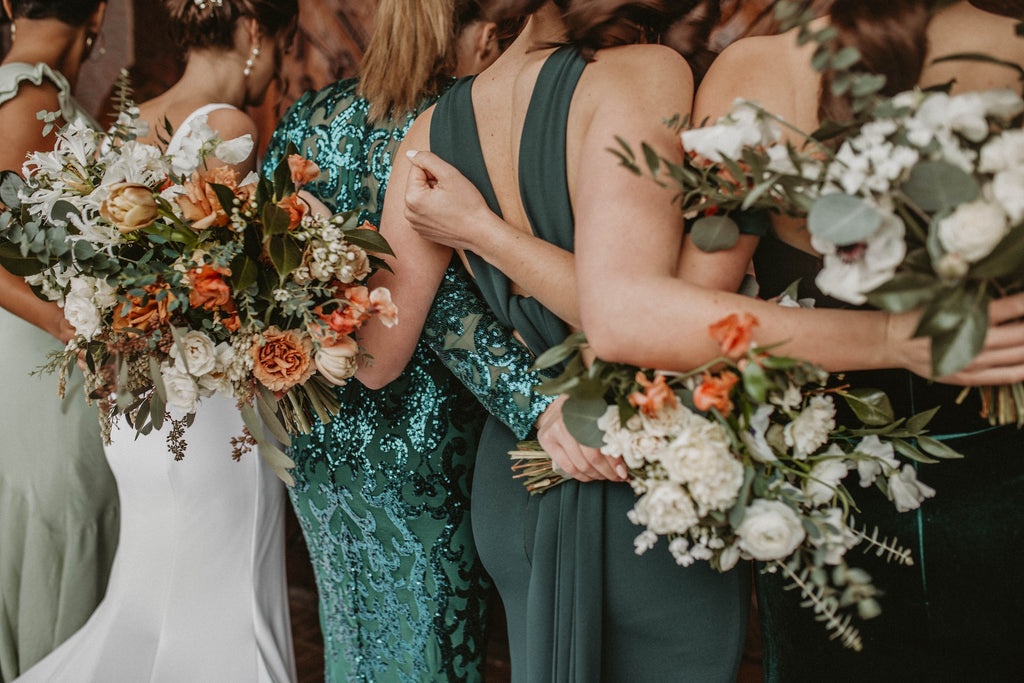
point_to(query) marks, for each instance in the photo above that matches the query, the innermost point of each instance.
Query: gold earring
(249, 63)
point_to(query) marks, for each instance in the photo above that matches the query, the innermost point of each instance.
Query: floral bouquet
(742, 458)
(182, 279)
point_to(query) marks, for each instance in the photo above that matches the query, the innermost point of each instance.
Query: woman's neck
(50, 42)
(545, 27)
(211, 76)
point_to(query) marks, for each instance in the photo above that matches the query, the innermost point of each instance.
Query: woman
(954, 615)
(197, 591)
(632, 306)
(382, 490)
(58, 501)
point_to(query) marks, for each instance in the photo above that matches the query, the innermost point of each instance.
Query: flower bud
(129, 207)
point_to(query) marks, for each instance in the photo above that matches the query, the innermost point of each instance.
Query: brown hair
(71, 12)
(214, 24)
(411, 52)
(891, 38)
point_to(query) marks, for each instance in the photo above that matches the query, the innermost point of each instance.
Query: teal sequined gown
(956, 614)
(581, 605)
(382, 491)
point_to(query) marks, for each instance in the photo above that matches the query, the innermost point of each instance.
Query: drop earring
(14, 32)
(251, 61)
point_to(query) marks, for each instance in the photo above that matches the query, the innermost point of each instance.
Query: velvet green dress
(956, 614)
(581, 605)
(58, 500)
(382, 491)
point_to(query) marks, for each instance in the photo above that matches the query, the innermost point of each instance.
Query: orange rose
(713, 392)
(199, 204)
(296, 208)
(733, 333)
(144, 316)
(352, 313)
(303, 170)
(209, 290)
(654, 397)
(282, 359)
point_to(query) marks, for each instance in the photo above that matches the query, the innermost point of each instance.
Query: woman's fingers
(580, 462)
(1006, 308)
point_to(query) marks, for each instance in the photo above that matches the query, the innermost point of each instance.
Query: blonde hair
(410, 55)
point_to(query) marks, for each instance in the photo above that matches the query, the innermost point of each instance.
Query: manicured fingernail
(411, 153)
(622, 471)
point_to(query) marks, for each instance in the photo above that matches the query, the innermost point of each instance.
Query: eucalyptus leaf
(904, 292)
(557, 354)
(755, 382)
(940, 186)
(867, 84)
(714, 233)
(843, 219)
(580, 417)
(845, 58)
(871, 406)
(10, 185)
(84, 250)
(62, 209)
(955, 350)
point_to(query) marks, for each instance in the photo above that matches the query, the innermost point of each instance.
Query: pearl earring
(251, 61)
(14, 32)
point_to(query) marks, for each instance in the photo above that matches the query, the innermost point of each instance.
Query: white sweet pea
(906, 492)
(770, 530)
(973, 229)
(234, 151)
(881, 459)
(753, 436)
(744, 126)
(824, 477)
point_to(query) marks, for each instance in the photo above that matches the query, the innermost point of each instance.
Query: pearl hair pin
(203, 4)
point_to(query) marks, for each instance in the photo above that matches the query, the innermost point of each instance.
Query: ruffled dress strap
(12, 75)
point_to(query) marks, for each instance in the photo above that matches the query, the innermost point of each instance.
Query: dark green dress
(382, 491)
(954, 616)
(581, 605)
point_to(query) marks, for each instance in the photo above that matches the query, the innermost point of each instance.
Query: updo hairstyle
(212, 23)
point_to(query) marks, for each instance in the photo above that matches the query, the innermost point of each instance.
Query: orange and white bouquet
(743, 459)
(182, 279)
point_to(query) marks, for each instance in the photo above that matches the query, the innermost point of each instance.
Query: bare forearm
(18, 298)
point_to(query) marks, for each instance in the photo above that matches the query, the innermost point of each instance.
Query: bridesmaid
(198, 589)
(955, 615)
(58, 501)
(382, 490)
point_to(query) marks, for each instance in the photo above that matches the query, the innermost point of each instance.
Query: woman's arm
(418, 267)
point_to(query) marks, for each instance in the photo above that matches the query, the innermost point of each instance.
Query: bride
(197, 591)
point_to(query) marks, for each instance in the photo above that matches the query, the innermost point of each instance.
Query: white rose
(906, 492)
(824, 477)
(182, 390)
(973, 229)
(665, 509)
(80, 310)
(197, 351)
(811, 428)
(338, 361)
(770, 530)
(1007, 188)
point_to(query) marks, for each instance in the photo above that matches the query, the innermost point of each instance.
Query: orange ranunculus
(733, 333)
(231, 322)
(199, 204)
(303, 170)
(209, 290)
(654, 397)
(713, 392)
(282, 360)
(296, 209)
(144, 316)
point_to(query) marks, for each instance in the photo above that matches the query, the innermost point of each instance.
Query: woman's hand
(1001, 360)
(579, 462)
(443, 206)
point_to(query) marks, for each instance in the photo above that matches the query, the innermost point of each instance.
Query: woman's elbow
(608, 338)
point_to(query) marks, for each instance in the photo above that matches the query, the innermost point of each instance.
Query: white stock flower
(632, 442)
(789, 399)
(852, 271)
(821, 482)
(1003, 152)
(811, 428)
(882, 459)
(200, 355)
(181, 388)
(219, 379)
(1007, 188)
(770, 530)
(836, 537)
(905, 491)
(665, 509)
(644, 541)
(973, 229)
(753, 436)
(80, 308)
(700, 457)
(1002, 103)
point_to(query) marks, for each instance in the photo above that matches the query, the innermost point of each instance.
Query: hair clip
(203, 4)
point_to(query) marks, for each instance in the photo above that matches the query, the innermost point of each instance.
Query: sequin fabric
(382, 491)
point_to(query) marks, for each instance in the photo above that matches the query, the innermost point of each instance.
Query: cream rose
(196, 351)
(770, 530)
(973, 230)
(181, 388)
(80, 309)
(129, 207)
(338, 361)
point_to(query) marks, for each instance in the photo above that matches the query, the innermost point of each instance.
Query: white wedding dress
(197, 592)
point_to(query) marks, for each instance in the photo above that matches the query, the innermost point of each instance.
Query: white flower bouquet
(182, 279)
(743, 458)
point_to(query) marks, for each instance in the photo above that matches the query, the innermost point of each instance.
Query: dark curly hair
(212, 24)
(71, 12)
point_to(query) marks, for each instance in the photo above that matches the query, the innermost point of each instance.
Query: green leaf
(938, 449)
(867, 84)
(651, 158)
(225, 196)
(278, 460)
(954, 350)
(370, 240)
(244, 271)
(580, 417)
(1007, 258)
(871, 406)
(275, 220)
(755, 382)
(62, 209)
(944, 313)
(908, 451)
(918, 422)
(940, 186)
(557, 354)
(845, 58)
(285, 254)
(282, 178)
(714, 233)
(157, 408)
(843, 219)
(904, 292)
(15, 263)
(84, 250)
(10, 184)
(268, 413)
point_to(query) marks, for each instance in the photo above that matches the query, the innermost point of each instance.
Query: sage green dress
(382, 491)
(58, 500)
(581, 606)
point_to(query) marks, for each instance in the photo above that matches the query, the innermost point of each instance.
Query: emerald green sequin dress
(382, 491)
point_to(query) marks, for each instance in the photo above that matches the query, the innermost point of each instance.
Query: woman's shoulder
(651, 74)
(34, 85)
